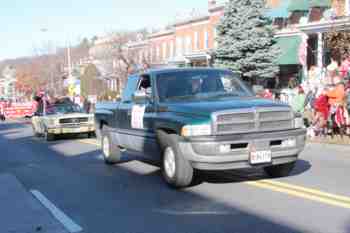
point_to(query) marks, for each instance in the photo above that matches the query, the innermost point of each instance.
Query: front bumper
(205, 153)
(72, 129)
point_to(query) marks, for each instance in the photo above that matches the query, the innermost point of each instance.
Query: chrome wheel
(106, 150)
(169, 162)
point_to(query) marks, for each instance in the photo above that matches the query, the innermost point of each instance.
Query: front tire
(49, 137)
(176, 170)
(91, 135)
(36, 134)
(280, 170)
(111, 153)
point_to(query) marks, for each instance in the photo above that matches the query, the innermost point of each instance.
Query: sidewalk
(21, 212)
(336, 140)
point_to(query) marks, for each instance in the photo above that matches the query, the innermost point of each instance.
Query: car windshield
(63, 109)
(200, 84)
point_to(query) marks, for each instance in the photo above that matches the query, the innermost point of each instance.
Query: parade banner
(18, 110)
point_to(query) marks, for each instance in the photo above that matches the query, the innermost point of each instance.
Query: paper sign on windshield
(137, 113)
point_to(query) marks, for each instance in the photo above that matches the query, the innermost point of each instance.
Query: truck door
(123, 112)
(141, 119)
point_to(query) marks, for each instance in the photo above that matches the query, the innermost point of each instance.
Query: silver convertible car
(59, 119)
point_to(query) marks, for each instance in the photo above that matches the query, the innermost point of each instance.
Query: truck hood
(207, 107)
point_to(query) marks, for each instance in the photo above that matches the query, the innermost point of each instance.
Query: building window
(151, 54)
(196, 41)
(157, 53)
(140, 57)
(164, 50)
(206, 39)
(171, 53)
(145, 55)
(179, 47)
(188, 47)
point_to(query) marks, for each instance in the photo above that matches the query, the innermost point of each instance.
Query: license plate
(259, 157)
(72, 130)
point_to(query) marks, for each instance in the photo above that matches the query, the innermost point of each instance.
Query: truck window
(199, 84)
(130, 88)
(145, 84)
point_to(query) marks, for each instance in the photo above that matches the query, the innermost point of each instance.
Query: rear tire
(280, 170)
(176, 170)
(111, 153)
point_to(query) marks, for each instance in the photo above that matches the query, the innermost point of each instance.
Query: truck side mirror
(140, 96)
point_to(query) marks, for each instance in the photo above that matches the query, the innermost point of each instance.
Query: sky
(66, 21)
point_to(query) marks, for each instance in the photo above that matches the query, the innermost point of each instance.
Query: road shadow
(10, 125)
(131, 196)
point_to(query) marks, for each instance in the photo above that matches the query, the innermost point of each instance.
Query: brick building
(189, 41)
(302, 26)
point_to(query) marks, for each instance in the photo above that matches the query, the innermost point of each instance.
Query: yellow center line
(290, 189)
(302, 192)
(308, 190)
(95, 143)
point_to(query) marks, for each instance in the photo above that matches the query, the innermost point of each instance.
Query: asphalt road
(132, 197)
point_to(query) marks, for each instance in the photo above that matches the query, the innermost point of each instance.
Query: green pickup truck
(204, 119)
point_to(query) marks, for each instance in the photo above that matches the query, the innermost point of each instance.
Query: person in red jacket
(322, 110)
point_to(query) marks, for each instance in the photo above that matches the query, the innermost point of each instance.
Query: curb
(336, 140)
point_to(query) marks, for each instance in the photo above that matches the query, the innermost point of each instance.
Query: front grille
(235, 128)
(276, 125)
(252, 120)
(274, 115)
(74, 120)
(234, 117)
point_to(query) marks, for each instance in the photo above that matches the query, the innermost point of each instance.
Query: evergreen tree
(245, 40)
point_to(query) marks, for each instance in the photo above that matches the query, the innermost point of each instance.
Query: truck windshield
(63, 109)
(199, 84)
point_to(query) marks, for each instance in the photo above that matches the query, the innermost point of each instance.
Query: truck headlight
(196, 130)
(299, 123)
(91, 119)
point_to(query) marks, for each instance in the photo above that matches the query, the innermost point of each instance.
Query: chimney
(211, 4)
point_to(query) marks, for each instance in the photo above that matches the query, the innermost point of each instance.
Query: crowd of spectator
(324, 100)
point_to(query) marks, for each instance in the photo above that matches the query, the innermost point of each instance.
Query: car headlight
(196, 130)
(299, 123)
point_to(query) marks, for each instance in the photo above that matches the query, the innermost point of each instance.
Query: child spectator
(298, 103)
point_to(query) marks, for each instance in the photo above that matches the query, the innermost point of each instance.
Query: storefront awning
(320, 3)
(298, 5)
(289, 47)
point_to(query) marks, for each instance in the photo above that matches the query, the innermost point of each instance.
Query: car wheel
(280, 170)
(176, 170)
(98, 131)
(49, 136)
(111, 153)
(36, 134)
(91, 135)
